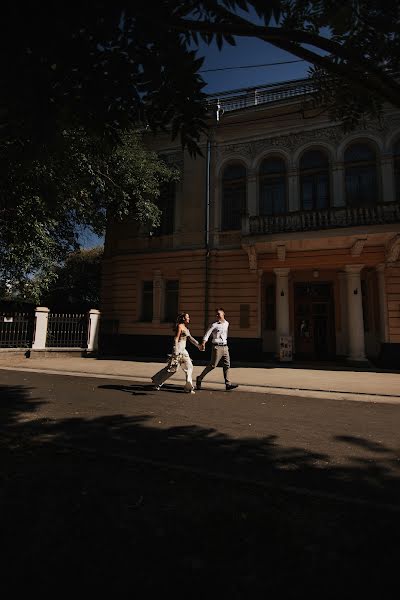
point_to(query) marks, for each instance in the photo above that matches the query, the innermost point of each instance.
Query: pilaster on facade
(383, 308)
(338, 185)
(293, 191)
(387, 174)
(355, 313)
(342, 341)
(158, 293)
(252, 194)
(282, 304)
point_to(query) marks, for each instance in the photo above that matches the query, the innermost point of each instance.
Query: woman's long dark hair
(179, 319)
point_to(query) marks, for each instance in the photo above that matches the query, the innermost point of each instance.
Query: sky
(248, 51)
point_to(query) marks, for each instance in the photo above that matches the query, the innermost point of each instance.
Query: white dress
(181, 355)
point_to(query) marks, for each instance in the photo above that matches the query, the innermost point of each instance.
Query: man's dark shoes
(231, 386)
(198, 383)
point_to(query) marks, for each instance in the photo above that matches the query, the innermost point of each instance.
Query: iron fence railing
(16, 330)
(67, 331)
(249, 97)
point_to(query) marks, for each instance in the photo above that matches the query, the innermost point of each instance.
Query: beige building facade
(287, 222)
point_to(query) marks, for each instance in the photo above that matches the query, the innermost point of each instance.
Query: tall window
(396, 160)
(147, 301)
(166, 203)
(272, 187)
(314, 180)
(233, 196)
(361, 175)
(171, 300)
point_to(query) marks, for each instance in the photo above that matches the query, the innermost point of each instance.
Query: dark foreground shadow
(113, 502)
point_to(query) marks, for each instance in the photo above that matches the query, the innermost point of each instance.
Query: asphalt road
(230, 488)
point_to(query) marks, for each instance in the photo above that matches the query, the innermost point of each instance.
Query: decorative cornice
(281, 252)
(291, 141)
(358, 247)
(393, 249)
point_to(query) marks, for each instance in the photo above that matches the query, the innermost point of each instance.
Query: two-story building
(287, 222)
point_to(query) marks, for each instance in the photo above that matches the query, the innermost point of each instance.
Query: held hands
(202, 347)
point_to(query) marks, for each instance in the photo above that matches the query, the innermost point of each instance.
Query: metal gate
(67, 331)
(16, 330)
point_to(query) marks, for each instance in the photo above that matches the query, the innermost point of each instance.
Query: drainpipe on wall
(207, 232)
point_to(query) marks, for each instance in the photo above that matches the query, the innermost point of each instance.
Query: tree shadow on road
(116, 500)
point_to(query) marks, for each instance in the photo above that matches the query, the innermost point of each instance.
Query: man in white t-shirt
(220, 350)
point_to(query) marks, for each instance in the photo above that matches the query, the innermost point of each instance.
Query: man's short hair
(217, 309)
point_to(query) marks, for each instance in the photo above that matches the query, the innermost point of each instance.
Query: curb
(260, 388)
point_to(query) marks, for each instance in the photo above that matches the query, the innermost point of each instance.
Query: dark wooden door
(314, 321)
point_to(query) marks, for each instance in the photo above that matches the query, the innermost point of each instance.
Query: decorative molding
(281, 252)
(393, 249)
(353, 270)
(291, 141)
(358, 247)
(252, 255)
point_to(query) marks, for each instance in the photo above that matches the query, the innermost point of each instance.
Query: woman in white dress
(180, 356)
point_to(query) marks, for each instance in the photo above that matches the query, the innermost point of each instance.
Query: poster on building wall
(286, 348)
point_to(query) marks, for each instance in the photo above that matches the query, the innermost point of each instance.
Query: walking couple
(180, 356)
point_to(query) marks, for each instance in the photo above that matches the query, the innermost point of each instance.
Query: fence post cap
(42, 309)
(94, 311)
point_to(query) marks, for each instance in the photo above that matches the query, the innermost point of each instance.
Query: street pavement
(332, 381)
(217, 493)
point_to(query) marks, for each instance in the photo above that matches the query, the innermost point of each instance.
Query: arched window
(361, 175)
(233, 196)
(396, 162)
(314, 180)
(272, 187)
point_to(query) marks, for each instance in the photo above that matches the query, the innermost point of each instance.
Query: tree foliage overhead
(77, 79)
(78, 281)
(44, 201)
(109, 66)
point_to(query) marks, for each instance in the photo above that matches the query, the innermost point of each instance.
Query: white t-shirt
(219, 331)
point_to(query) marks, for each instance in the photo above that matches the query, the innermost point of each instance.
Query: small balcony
(332, 218)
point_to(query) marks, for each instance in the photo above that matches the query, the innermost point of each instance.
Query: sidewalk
(364, 386)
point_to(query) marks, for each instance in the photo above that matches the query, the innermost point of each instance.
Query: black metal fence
(16, 330)
(67, 331)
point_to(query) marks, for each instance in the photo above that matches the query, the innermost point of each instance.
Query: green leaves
(82, 181)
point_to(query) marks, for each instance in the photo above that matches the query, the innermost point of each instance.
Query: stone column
(383, 311)
(282, 304)
(355, 314)
(293, 191)
(338, 185)
(342, 346)
(157, 297)
(42, 317)
(93, 337)
(251, 195)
